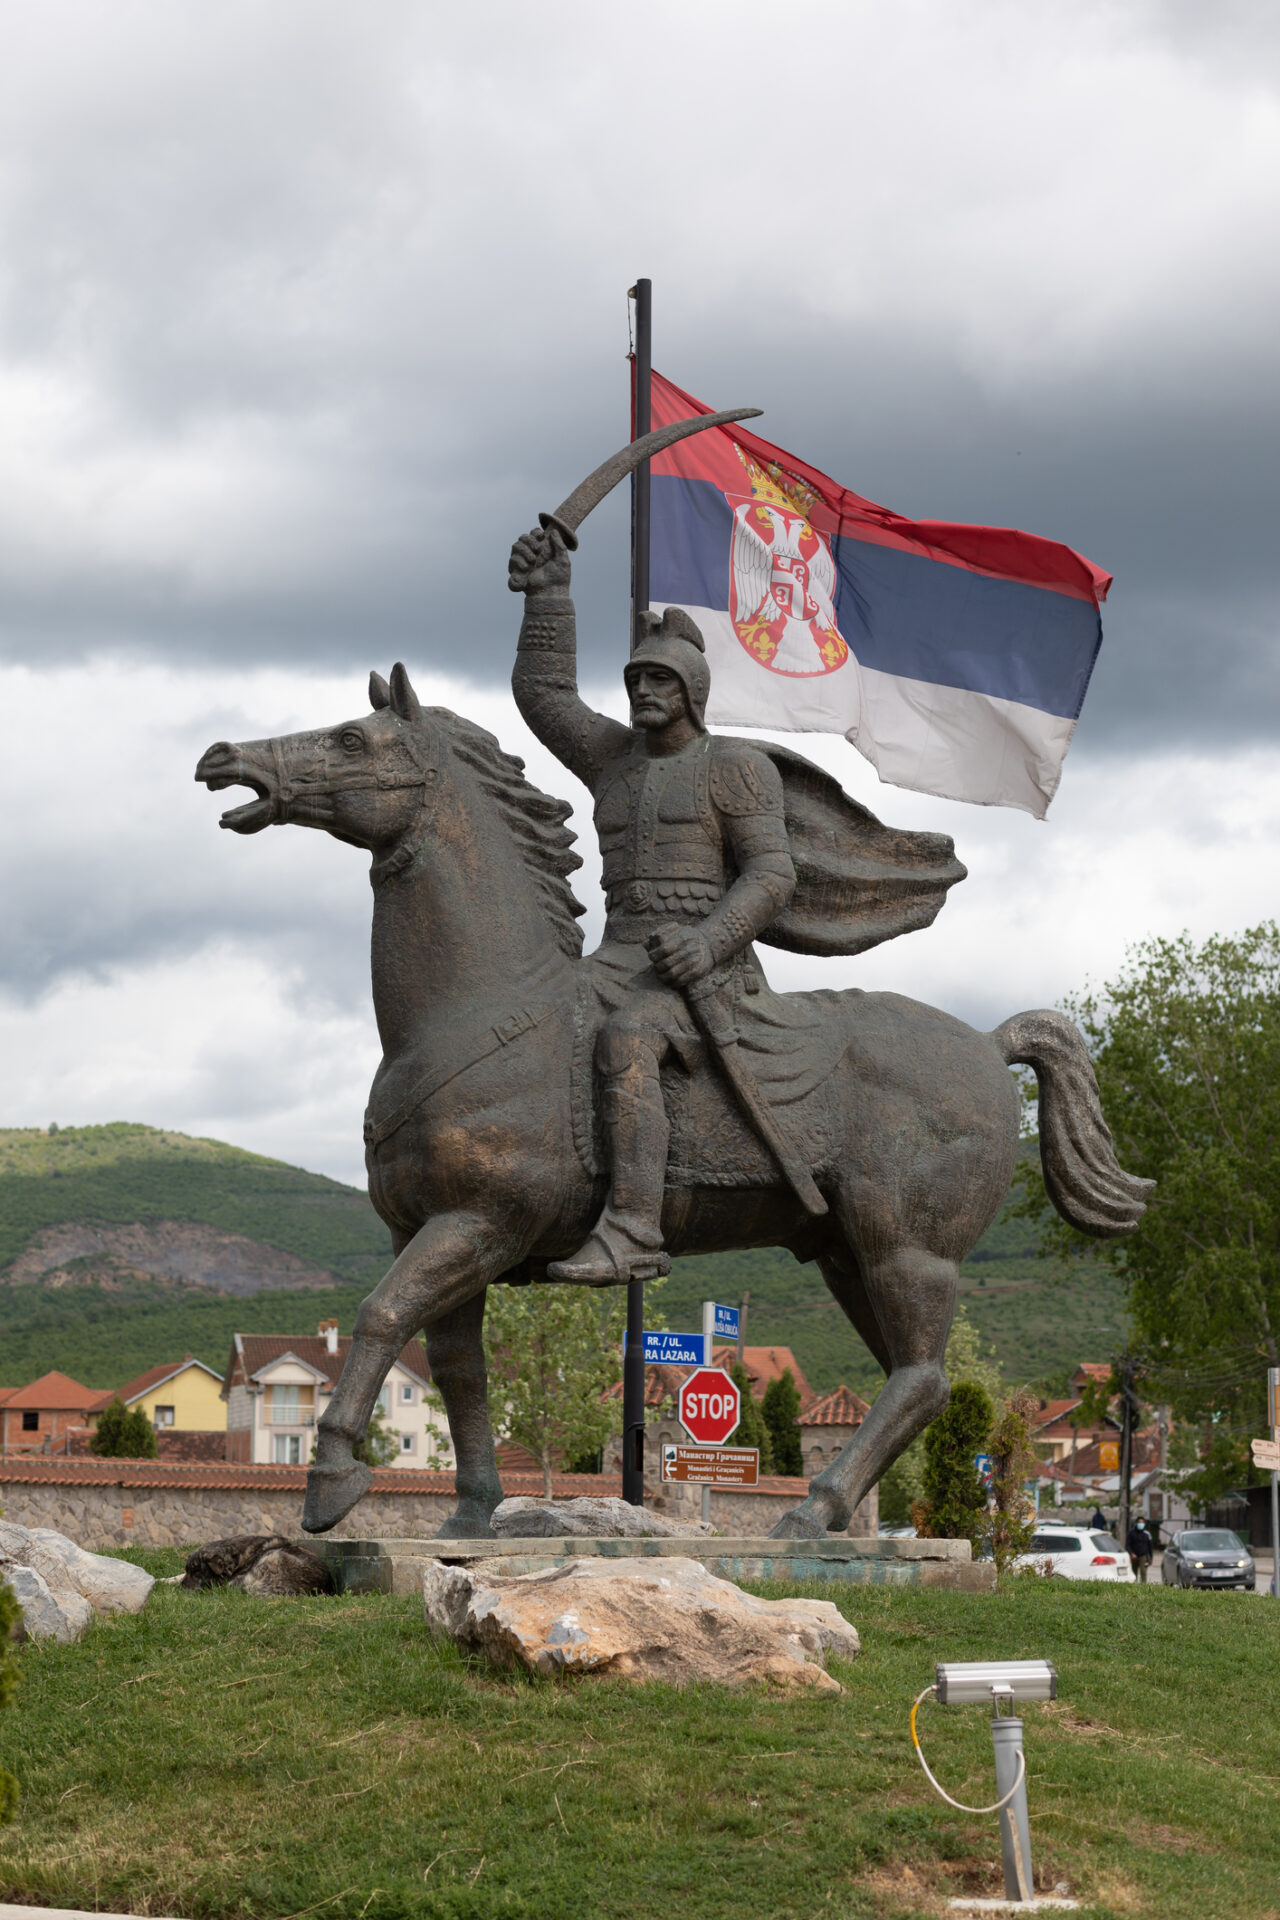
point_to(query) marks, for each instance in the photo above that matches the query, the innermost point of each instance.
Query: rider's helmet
(672, 640)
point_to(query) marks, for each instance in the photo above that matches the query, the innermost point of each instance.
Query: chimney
(329, 1328)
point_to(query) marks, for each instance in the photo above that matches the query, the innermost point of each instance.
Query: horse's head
(365, 781)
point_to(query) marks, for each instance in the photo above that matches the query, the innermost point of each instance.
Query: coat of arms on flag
(955, 658)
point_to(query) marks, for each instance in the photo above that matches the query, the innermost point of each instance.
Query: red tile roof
(58, 1393)
(840, 1408)
(764, 1365)
(154, 1375)
(254, 1351)
(1099, 1370)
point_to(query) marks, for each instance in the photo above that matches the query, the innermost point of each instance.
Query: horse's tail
(1085, 1181)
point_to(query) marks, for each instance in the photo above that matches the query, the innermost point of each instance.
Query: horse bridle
(293, 784)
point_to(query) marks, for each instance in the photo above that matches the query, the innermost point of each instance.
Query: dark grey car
(1208, 1557)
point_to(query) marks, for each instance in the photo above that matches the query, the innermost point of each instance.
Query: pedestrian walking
(1140, 1548)
(1099, 1520)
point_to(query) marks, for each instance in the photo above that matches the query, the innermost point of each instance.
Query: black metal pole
(1126, 1445)
(633, 1366)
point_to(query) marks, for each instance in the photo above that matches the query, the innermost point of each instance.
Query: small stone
(589, 1518)
(667, 1620)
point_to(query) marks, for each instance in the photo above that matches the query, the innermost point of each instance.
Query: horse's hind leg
(903, 1304)
(455, 1353)
(444, 1266)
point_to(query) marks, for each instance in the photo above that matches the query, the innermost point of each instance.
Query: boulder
(67, 1586)
(46, 1615)
(666, 1619)
(523, 1518)
(258, 1563)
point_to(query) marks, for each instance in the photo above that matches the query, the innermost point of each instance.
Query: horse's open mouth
(223, 767)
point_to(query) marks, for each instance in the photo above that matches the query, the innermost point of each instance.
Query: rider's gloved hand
(539, 559)
(680, 955)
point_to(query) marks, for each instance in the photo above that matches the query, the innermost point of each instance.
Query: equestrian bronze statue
(543, 1117)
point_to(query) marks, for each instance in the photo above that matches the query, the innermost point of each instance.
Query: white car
(1077, 1553)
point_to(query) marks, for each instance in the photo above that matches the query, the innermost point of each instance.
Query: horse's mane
(535, 821)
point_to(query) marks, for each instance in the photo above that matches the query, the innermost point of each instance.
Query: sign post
(1273, 1421)
(718, 1323)
(711, 1466)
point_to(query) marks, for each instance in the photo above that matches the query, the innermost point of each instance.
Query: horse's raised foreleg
(455, 1352)
(448, 1262)
(906, 1299)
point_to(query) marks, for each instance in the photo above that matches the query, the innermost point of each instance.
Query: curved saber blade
(571, 513)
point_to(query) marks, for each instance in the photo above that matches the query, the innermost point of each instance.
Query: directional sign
(1266, 1454)
(982, 1467)
(710, 1406)
(711, 1466)
(726, 1327)
(672, 1349)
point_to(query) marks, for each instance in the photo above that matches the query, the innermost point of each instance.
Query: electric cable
(936, 1785)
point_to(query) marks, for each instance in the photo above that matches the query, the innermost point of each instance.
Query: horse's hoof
(799, 1525)
(467, 1523)
(331, 1494)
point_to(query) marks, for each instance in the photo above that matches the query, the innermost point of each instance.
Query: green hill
(103, 1317)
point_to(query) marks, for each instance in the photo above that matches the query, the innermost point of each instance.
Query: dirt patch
(1060, 1715)
(185, 1252)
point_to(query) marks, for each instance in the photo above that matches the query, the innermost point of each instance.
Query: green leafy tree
(954, 1504)
(751, 1430)
(1186, 1047)
(967, 1359)
(553, 1353)
(781, 1410)
(10, 1615)
(380, 1445)
(123, 1433)
(1011, 1517)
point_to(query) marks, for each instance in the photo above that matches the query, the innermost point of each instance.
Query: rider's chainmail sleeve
(746, 791)
(545, 684)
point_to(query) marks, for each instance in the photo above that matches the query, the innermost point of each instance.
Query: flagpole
(642, 389)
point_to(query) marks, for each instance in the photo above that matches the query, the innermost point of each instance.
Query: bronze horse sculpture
(480, 1129)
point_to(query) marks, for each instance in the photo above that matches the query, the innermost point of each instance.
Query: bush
(781, 1408)
(955, 1500)
(123, 1433)
(1011, 1520)
(10, 1614)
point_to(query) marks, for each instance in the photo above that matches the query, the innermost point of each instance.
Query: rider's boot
(626, 1241)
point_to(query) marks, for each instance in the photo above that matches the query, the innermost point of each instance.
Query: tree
(781, 1408)
(1186, 1047)
(903, 1484)
(554, 1352)
(955, 1500)
(1011, 1517)
(123, 1433)
(751, 1430)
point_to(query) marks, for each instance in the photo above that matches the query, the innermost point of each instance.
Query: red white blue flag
(954, 658)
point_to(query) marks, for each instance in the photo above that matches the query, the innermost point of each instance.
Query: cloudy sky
(307, 308)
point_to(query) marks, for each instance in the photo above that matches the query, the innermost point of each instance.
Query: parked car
(1077, 1553)
(1208, 1557)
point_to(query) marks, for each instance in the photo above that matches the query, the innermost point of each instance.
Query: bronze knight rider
(696, 865)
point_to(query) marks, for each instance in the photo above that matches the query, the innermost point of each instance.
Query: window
(30, 1421)
(287, 1449)
(406, 1395)
(384, 1399)
(164, 1417)
(408, 1443)
(286, 1407)
(1056, 1543)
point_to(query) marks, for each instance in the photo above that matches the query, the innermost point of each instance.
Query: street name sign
(711, 1466)
(1266, 1454)
(672, 1349)
(726, 1323)
(710, 1406)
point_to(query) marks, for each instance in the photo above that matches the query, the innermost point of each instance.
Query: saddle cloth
(790, 1043)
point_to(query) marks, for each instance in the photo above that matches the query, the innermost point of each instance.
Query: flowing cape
(858, 882)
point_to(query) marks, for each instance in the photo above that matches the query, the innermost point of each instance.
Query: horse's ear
(404, 701)
(379, 692)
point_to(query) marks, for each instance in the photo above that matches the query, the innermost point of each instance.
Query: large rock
(60, 1587)
(666, 1619)
(523, 1518)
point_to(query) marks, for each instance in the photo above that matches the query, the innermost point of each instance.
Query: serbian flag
(954, 658)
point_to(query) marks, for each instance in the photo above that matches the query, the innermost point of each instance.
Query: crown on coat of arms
(778, 488)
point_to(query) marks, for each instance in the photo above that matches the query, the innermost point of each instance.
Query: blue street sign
(672, 1349)
(726, 1323)
(982, 1465)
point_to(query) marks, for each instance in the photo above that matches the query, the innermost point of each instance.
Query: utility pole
(642, 387)
(1127, 1367)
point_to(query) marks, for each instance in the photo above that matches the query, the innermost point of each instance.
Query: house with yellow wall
(179, 1395)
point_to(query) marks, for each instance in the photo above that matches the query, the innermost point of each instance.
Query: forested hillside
(122, 1193)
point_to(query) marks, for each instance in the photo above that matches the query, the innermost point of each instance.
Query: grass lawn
(221, 1755)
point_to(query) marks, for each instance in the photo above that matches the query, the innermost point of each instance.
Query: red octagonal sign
(710, 1406)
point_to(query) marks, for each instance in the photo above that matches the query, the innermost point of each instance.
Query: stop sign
(710, 1406)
